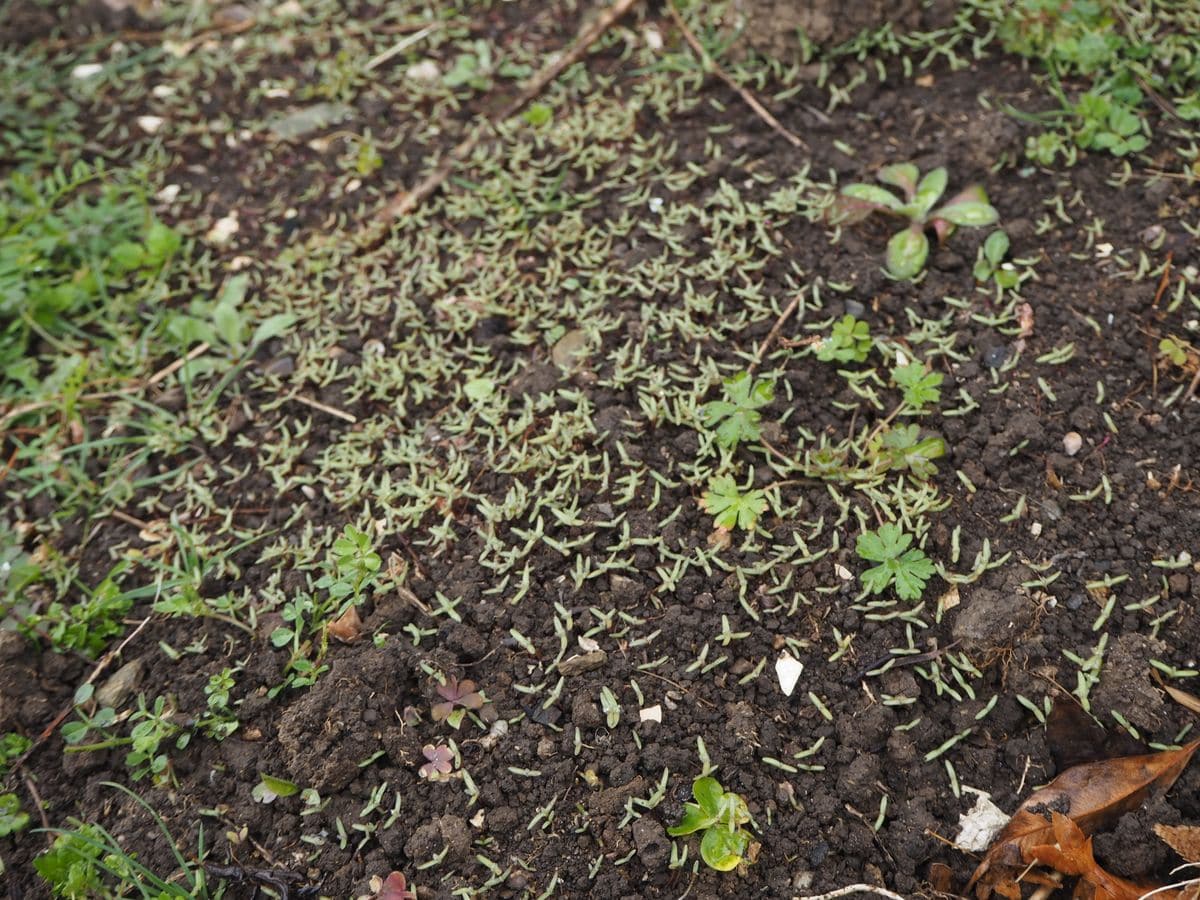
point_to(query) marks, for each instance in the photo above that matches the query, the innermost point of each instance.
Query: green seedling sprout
(848, 341)
(730, 506)
(908, 568)
(909, 248)
(990, 263)
(736, 417)
(720, 815)
(269, 788)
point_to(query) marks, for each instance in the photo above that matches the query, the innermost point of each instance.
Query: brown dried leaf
(1071, 854)
(348, 627)
(1183, 839)
(1092, 795)
(1025, 319)
(1183, 698)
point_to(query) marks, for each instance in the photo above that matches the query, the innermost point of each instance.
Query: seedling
(350, 568)
(440, 762)
(394, 887)
(730, 506)
(849, 341)
(736, 417)
(720, 815)
(12, 817)
(455, 693)
(990, 263)
(269, 788)
(902, 447)
(919, 386)
(908, 569)
(1175, 351)
(908, 249)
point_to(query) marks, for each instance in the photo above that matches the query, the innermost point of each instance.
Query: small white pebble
(653, 37)
(651, 713)
(788, 669)
(86, 70)
(150, 124)
(426, 70)
(168, 193)
(162, 91)
(1036, 529)
(223, 229)
(1072, 443)
(655, 204)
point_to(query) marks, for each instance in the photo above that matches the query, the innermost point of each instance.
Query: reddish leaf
(395, 888)
(1071, 854)
(348, 627)
(1092, 796)
(1183, 839)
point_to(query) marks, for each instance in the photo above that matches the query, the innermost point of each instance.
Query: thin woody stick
(748, 98)
(406, 201)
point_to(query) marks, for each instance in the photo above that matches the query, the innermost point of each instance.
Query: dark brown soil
(814, 825)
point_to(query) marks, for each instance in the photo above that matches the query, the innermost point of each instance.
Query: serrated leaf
(731, 508)
(907, 252)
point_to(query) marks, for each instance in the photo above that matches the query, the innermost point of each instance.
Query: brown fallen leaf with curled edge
(1092, 796)
(1071, 854)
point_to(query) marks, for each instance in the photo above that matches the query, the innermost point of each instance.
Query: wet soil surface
(567, 803)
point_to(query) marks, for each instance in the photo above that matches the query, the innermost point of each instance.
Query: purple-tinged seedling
(458, 697)
(908, 249)
(440, 762)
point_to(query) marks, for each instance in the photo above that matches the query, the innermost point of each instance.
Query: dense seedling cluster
(619, 441)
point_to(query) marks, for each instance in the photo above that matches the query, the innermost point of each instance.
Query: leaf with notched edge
(1092, 796)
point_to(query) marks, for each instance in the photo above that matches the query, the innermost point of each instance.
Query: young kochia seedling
(720, 815)
(907, 568)
(908, 249)
(736, 417)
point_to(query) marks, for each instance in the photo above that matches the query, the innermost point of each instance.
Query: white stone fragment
(978, 828)
(1072, 443)
(150, 124)
(651, 713)
(788, 669)
(223, 229)
(86, 70)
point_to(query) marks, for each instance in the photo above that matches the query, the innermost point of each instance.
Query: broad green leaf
(708, 793)
(907, 252)
(694, 818)
(872, 194)
(271, 327)
(228, 324)
(903, 176)
(968, 212)
(929, 191)
(722, 849)
(995, 248)
(280, 787)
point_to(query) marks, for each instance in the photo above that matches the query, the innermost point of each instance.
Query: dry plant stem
(406, 201)
(158, 376)
(66, 710)
(854, 889)
(748, 98)
(787, 313)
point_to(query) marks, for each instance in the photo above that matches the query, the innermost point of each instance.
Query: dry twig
(748, 98)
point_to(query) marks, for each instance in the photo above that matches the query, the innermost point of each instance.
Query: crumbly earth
(506, 392)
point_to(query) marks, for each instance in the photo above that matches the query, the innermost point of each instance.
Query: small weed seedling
(730, 506)
(736, 417)
(908, 249)
(439, 762)
(849, 341)
(351, 567)
(990, 264)
(918, 386)
(394, 887)
(720, 815)
(907, 568)
(270, 788)
(12, 817)
(460, 694)
(903, 447)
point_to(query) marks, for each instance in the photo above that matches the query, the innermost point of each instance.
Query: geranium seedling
(720, 815)
(730, 506)
(736, 418)
(440, 764)
(458, 697)
(906, 567)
